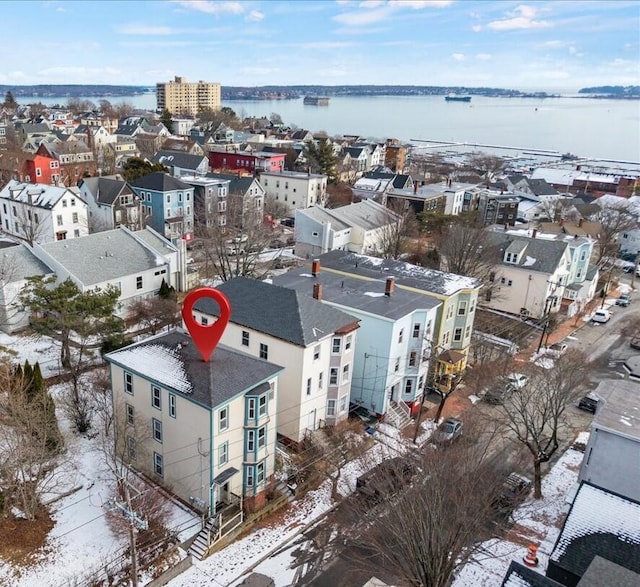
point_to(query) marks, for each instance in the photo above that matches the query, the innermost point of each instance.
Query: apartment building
(186, 99)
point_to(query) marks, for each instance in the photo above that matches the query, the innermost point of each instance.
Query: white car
(557, 349)
(518, 380)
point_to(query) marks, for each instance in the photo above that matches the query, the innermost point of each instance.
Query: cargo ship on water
(316, 101)
(454, 98)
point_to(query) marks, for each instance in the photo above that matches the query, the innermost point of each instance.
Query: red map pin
(206, 338)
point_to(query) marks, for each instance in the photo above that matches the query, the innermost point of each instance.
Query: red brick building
(247, 161)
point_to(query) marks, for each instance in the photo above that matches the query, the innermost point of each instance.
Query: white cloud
(458, 56)
(13, 77)
(372, 11)
(420, 4)
(255, 16)
(476, 28)
(371, 3)
(363, 17)
(212, 7)
(60, 9)
(555, 74)
(71, 74)
(143, 29)
(483, 56)
(523, 17)
(259, 70)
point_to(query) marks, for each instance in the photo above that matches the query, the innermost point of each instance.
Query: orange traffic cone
(531, 559)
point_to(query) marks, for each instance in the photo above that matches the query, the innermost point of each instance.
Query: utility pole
(135, 523)
(545, 318)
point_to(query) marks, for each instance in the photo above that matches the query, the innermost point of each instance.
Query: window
(412, 359)
(345, 373)
(449, 311)
(73, 201)
(416, 331)
(131, 414)
(158, 464)
(59, 220)
(156, 397)
(472, 307)
(131, 448)
(262, 405)
(251, 409)
(249, 476)
(223, 454)
(64, 202)
(331, 407)
(316, 352)
(401, 335)
(264, 351)
(333, 376)
(245, 338)
(408, 386)
(262, 437)
(343, 404)
(76, 233)
(347, 344)
(457, 335)
(204, 321)
(128, 383)
(336, 343)
(309, 386)
(139, 282)
(396, 367)
(462, 308)
(172, 405)
(223, 419)
(251, 440)
(467, 331)
(320, 380)
(168, 198)
(157, 429)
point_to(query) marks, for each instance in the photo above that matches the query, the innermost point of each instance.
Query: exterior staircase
(201, 544)
(398, 415)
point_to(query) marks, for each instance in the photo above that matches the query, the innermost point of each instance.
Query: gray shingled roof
(156, 241)
(103, 256)
(536, 254)
(520, 576)
(106, 190)
(20, 263)
(160, 182)
(358, 294)
(428, 280)
(227, 374)
(277, 311)
(237, 185)
(599, 523)
(177, 159)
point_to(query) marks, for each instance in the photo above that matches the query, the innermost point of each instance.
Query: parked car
(518, 380)
(588, 403)
(361, 413)
(497, 395)
(601, 316)
(290, 222)
(385, 479)
(634, 343)
(557, 349)
(624, 300)
(514, 491)
(447, 431)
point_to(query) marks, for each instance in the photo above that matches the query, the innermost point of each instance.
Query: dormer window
(511, 258)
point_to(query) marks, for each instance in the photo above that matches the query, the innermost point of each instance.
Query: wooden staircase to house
(398, 415)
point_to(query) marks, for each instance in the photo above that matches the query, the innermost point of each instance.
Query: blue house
(167, 205)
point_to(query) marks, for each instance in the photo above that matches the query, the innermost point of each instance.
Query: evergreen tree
(164, 290)
(136, 167)
(27, 371)
(165, 118)
(321, 158)
(9, 100)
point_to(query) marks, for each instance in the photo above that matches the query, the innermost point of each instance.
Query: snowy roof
(172, 361)
(428, 280)
(277, 311)
(536, 254)
(103, 256)
(366, 214)
(520, 576)
(599, 523)
(18, 262)
(358, 294)
(39, 195)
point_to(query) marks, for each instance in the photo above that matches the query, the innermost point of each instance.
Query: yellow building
(186, 99)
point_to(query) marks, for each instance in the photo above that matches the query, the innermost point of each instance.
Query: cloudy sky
(546, 45)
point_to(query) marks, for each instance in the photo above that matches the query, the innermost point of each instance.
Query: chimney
(389, 286)
(580, 222)
(449, 182)
(315, 267)
(317, 291)
(415, 187)
(534, 233)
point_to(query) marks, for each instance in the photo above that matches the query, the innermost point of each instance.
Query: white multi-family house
(455, 314)
(397, 326)
(17, 264)
(135, 263)
(40, 213)
(203, 430)
(313, 342)
(364, 227)
(295, 189)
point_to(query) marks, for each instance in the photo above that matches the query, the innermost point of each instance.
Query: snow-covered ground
(23, 347)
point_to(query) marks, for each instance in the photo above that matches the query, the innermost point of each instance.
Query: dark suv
(514, 491)
(385, 479)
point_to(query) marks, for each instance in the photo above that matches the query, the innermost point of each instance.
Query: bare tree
(29, 443)
(399, 227)
(535, 413)
(153, 314)
(485, 165)
(422, 531)
(614, 220)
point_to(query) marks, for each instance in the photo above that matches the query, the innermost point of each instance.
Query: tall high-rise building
(182, 98)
